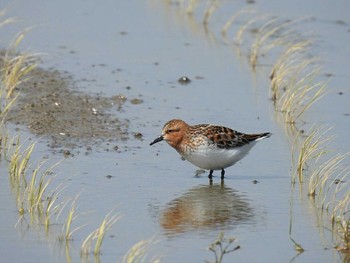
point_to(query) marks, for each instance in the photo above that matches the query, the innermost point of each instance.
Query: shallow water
(140, 49)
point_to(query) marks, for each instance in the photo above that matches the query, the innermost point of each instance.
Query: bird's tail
(258, 136)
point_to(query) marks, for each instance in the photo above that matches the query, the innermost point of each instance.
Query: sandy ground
(51, 107)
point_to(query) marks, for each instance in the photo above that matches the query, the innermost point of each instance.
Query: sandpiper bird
(208, 146)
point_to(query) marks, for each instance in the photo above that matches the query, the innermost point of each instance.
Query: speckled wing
(226, 138)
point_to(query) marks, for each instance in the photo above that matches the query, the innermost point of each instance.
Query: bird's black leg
(222, 174)
(210, 176)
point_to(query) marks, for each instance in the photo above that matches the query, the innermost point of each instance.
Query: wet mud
(51, 107)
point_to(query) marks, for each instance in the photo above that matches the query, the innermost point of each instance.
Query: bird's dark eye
(172, 130)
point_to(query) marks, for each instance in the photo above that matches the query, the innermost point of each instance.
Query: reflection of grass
(222, 246)
(98, 235)
(298, 247)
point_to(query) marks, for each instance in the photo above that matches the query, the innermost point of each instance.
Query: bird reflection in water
(205, 207)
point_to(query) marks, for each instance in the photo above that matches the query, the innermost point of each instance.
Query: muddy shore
(51, 107)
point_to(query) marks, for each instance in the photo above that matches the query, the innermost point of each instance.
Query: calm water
(147, 46)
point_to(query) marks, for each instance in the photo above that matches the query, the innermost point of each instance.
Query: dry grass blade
(72, 215)
(209, 12)
(300, 95)
(70, 218)
(19, 163)
(341, 209)
(239, 35)
(289, 63)
(325, 172)
(15, 69)
(311, 149)
(16, 66)
(341, 215)
(293, 85)
(107, 223)
(98, 235)
(138, 253)
(343, 230)
(86, 246)
(191, 6)
(230, 21)
(7, 20)
(264, 33)
(32, 188)
(275, 30)
(5, 106)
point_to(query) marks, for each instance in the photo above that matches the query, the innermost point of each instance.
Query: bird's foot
(210, 176)
(222, 174)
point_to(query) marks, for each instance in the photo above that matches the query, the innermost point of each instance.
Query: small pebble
(136, 101)
(184, 80)
(138, 135)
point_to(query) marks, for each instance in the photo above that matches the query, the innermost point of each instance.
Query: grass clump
(328, 173)
(291, 60)
(31, 188)
(16, 66)
(343, 231)
(98, 235)
(19, 162)
(309, 150)
(341, 218)
(330, 183)
(294, 87)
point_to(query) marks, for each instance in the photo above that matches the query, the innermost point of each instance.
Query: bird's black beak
(159, 139)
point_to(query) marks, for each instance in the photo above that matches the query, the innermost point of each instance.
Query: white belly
(216, 158)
